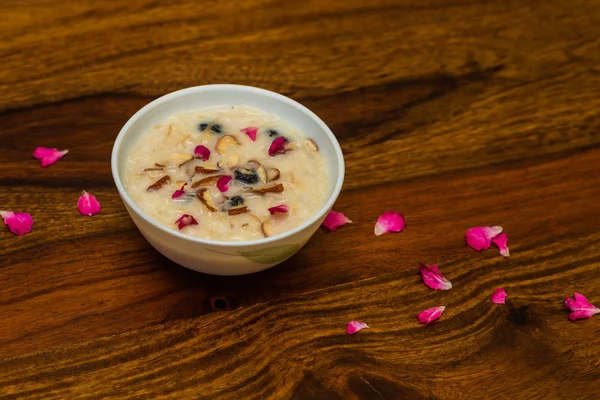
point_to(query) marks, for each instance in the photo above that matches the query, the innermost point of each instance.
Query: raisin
(272, 132)
(202, 127)
(236, 201)
(247, 176)
(216, 128)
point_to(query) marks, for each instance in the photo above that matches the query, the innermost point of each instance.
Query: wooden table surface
(455, 112)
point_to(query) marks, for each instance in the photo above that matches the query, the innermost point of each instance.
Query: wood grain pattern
(455, 112)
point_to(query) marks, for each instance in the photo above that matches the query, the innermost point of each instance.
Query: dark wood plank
(457, 113)
(280, 347)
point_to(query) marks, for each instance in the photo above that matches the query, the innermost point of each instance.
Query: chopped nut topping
(226, 142)
(272, 174)
(185, 162)
(237, 210)
(180, 157)
(151, 169)
(204, 170)
(311, 145)
(262, 174)
(267, 228)
(269, 189)
(206, 199)
(208, 181)
(159, 183)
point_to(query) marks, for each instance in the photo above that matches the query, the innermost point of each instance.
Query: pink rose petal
(355, 326)
(251, 132)
(480, 237)
(185, 220)
(278, 146)
(389, 221)
(179, 192)
(18, 223)
(580, 307)
(499, 296)
(223, 183)
(282, 208)
(88, 205)
(334, 220)
(202, 152)
(48, 156)
(433, 277)
(427, 316)
(502, 242)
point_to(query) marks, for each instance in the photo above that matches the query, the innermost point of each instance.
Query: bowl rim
(241, 88)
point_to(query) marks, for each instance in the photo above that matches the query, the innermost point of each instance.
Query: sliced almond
(185, 162)
(269, 189)
(208, 181)
(170, 130)
(151, 169)
(311, 145)
(159, 165)
(206, 170)
(262, 174)
(226, 142)
(205, 198)
(268, 229)
(272, 174)
(253, 164)
(159, 183)
(179, 158)
(237, 210)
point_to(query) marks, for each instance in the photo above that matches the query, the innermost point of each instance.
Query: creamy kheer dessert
(227, 173)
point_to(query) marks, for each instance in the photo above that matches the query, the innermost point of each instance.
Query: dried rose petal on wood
(427, 316)
(251, 131)
(502, 242)
(499, 296)
(278, 146)
(355, 326)
(389, 221)
(88, 204)
(18, 223)
(282, 208)
(179, 192)
(334, 220)
(48, 156)
(202, 152)
(223, 183)
(480, 237)
(580, 306)
(185, 220)
(433, 278)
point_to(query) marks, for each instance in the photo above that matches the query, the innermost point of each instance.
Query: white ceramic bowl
(219, 257)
